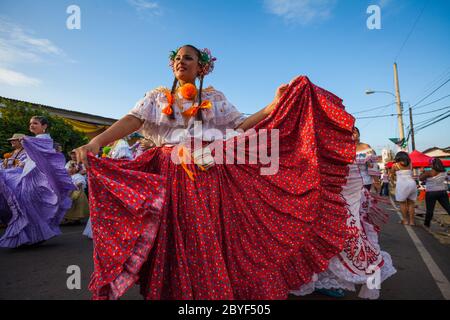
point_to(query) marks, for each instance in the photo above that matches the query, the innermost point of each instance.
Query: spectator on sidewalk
(385, 186)
(80, 205)
(436, 189)
(80, 168)
(405, 188)
(58, 147)
(366, 161)
(18, 156)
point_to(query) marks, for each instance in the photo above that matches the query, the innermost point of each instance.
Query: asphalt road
(41, 272)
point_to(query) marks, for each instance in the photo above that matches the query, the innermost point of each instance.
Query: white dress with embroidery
(362, 262)
(162, 130)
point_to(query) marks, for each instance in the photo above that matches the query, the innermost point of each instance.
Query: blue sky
(121, 52)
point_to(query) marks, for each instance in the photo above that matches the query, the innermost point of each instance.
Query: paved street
(40, 273)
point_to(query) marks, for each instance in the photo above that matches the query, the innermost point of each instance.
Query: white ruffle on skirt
(361, 262)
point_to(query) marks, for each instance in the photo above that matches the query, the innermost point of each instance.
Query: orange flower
(7, 155)
(206, 105)
(192, 111)
(188, 91)
(168, 110)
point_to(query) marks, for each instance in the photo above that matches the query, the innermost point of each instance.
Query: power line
(428, 112)
(374, 117)
(445, 116)
(425, 105)
(412, 30)
(432, 83)
(395, 114)
(426, 121)
(447, 81)
(374, 108)
(370, 121)
(429, 120)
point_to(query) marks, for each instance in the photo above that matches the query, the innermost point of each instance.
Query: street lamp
(399, 110)
(369, 91)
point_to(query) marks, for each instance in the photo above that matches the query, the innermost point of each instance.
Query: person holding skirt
(37, 195)
(361, 262)
(245, 208)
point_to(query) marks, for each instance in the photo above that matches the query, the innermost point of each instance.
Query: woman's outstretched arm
(120, 129)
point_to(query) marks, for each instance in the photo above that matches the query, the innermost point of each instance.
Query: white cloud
(146, 6)
(301, 11)
(14, 78)
(10, 53)
(18, 47)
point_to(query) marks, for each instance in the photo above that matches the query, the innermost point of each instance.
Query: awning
(420, 160)
(84, 126)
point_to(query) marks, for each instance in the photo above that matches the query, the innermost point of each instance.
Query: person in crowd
(58, 147)
(80, 206)
(187, 227)
(362, 256)
(385, 183)
(141, 146)
(16, 159)
(37, 195)
(436, 189)
(405, 188)
(366, 161)
(121, 150)
(80, 168)
(18, 156)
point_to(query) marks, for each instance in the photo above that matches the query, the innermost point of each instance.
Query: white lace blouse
(162, 130)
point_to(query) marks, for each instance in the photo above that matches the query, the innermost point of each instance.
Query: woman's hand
(279, 93)
(83, 151)
(118, 130)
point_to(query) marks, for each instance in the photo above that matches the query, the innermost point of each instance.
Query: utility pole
(413, 142)
(399, 105)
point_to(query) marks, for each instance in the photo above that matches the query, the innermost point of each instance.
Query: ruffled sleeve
(149, 110)
(145, 109)
(223, 114)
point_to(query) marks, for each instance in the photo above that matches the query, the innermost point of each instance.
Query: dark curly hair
(437, 165)
(403, 158)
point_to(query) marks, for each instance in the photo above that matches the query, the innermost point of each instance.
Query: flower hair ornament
(206, 60)
(189, 91)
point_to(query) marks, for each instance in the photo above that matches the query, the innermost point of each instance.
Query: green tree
(15, 118)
